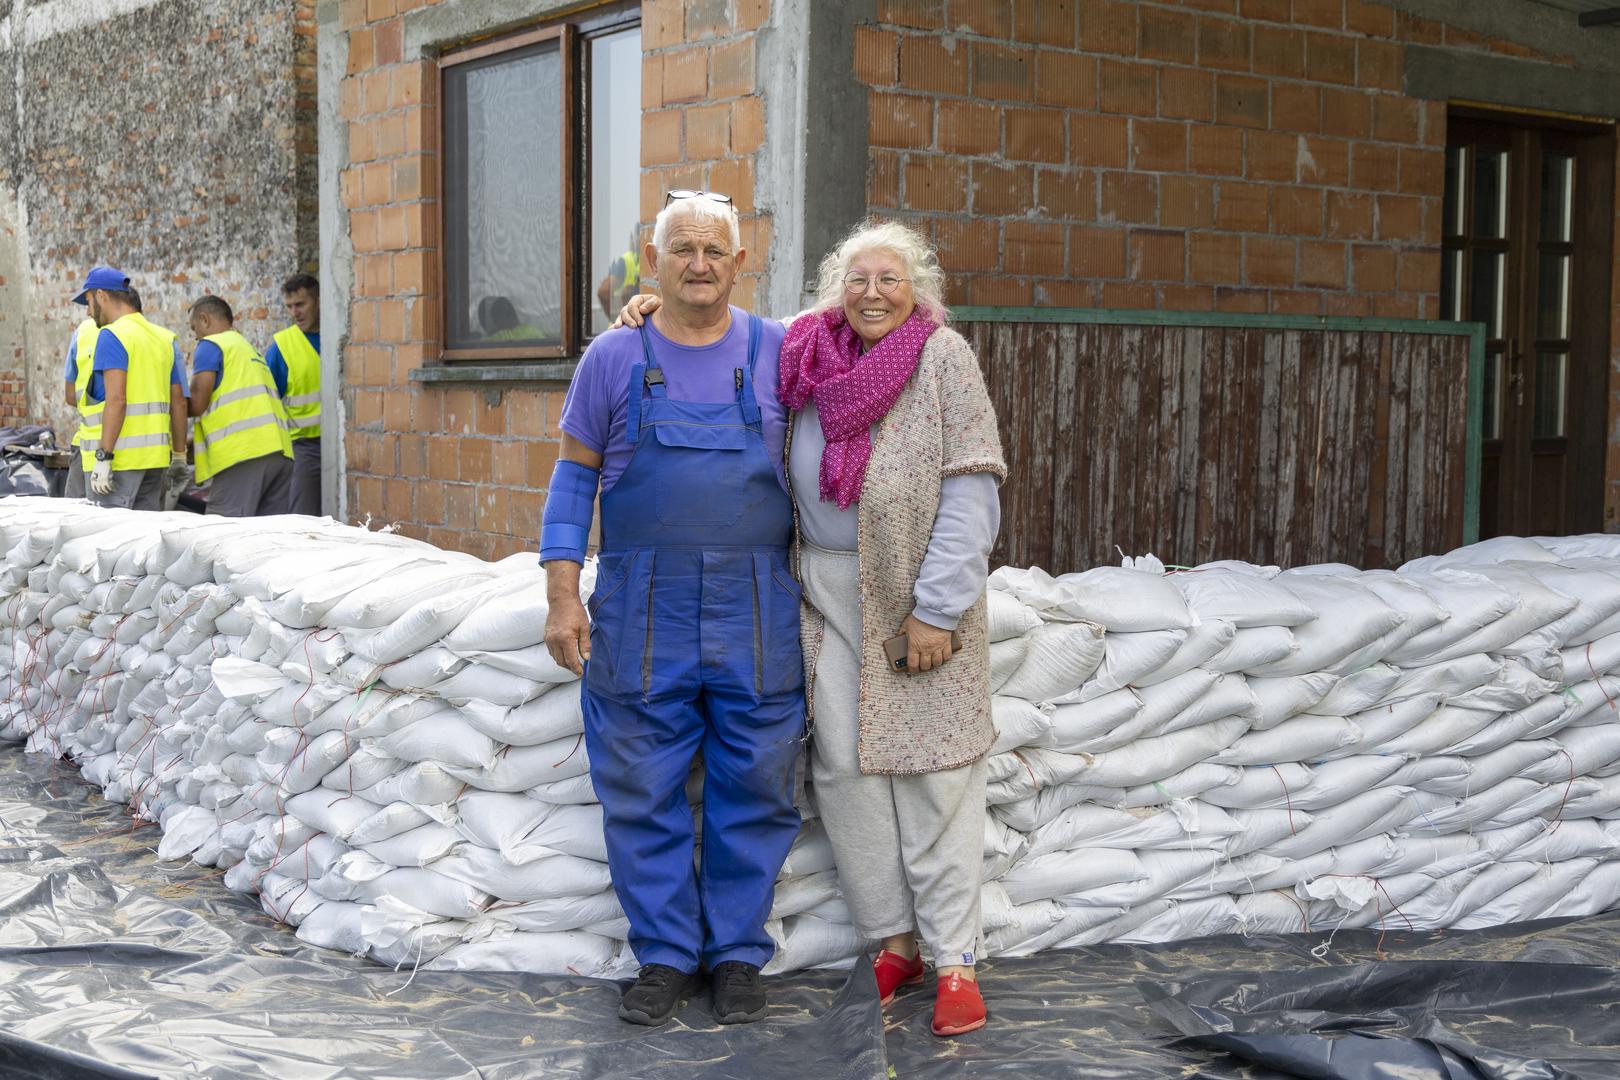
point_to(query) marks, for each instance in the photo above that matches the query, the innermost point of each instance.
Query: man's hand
(636, 311)
(101, 481)
(927, 646)
(568, 628)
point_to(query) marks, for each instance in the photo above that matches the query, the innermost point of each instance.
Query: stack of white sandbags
(365, 730)
(369, 733)
(1246, 750)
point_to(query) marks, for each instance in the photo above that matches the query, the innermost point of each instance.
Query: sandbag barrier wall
(368, 732)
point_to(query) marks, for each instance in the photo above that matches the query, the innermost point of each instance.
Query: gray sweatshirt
(958, 559)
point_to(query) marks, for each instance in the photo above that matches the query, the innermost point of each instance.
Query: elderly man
(693, 641)
(134, 404)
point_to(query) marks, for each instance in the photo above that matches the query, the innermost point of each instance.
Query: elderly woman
(894, 460)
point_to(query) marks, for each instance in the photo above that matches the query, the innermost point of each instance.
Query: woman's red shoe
(894, 971)
(958, 1008)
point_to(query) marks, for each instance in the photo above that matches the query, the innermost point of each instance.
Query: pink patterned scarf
(822, 359)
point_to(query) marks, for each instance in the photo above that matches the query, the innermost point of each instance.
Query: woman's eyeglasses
(688, 193)
(855, 283)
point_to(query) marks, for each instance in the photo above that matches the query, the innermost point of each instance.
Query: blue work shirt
(209, 357)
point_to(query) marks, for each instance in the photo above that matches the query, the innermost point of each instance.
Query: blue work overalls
(695, 648)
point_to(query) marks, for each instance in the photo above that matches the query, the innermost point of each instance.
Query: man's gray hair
(916, 256)
(696, 209)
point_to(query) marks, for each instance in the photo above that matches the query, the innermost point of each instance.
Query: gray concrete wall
(166, 137)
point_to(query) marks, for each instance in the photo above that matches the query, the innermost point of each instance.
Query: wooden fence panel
(1290, 443)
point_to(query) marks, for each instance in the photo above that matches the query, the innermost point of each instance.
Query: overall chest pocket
(701, 470)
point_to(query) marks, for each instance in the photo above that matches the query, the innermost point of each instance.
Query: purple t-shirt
(594, 410)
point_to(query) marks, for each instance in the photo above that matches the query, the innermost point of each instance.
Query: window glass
(1451, 280)
(1552, 300)
(503, 199)
(1485, 291)
(615, 161)
(1456, 170)
(1493, 396)
(1557, 196)
(1490, 193)
(1551, 371)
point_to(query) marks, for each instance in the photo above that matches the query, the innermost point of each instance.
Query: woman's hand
(635, 312)
(927, 646)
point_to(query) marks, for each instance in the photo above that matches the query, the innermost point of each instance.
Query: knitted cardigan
(942, 425)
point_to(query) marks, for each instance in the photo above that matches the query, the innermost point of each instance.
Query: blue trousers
(695, 652)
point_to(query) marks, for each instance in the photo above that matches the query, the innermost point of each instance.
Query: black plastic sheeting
(113, 964)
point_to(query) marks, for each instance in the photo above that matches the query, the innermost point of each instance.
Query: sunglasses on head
(688, 193)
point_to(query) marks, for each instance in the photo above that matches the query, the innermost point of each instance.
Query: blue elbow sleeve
(565, 527)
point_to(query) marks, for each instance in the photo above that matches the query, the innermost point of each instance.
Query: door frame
(1587, 389)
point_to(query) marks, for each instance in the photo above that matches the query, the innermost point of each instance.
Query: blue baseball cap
(102, 277)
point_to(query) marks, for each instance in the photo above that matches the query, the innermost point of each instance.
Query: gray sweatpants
(76, 488)
(909, 849)
(133, 489)
(252, 488)
(306, 478)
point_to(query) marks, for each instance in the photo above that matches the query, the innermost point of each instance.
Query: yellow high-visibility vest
(84, 356)
(245, 418)
(143, 441)
(303, 400)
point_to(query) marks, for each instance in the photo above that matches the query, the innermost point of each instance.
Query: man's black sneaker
(655, 995)
(738, 996)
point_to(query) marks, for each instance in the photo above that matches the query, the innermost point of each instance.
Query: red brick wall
(467, 468)
(1240, 155)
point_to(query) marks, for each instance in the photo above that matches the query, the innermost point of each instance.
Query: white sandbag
(1515, 686)
(1384, 723)
(573, 952)
(1032, 809)
(1017, 722)
(427, 891)
(415, 847)
(1227, 696)
(381, 603)
(553, 715)
(1119, 600)
(1350, 617)
(1075, 726)
(533, 663)
(1435, 733)
(1195, 781)
(1523, 724)
(1071, 872)
(1531, 897)
(1155, 758)
(1182, 825)
(1252, 647)
(445, 739)
(1244, 600)
(1377, 811)
(1280, 698)
(338, 816)
(1489, 552)
(520, 768)
(1581, 751)
(1006, 657)
(1128, 657)
(481, 682)
(515, 619)
(424, 623)
(805, 941)
(1057, 659)
(539, 879)
(1206, 640)
(556, 913)
(1007, 616)
(1261, 787)
(1304, 738)
(421, 672)
(1357, 691)
(1598, 891)
(1534, 607)
(1160, 704)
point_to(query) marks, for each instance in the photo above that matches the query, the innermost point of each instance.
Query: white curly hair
(915, 254)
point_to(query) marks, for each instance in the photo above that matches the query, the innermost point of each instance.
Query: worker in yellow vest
(75, 377)
(294, 360)
(134, 405)
(243, 449)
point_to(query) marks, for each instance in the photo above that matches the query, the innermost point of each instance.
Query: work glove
(101, 481)
(175, 480)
